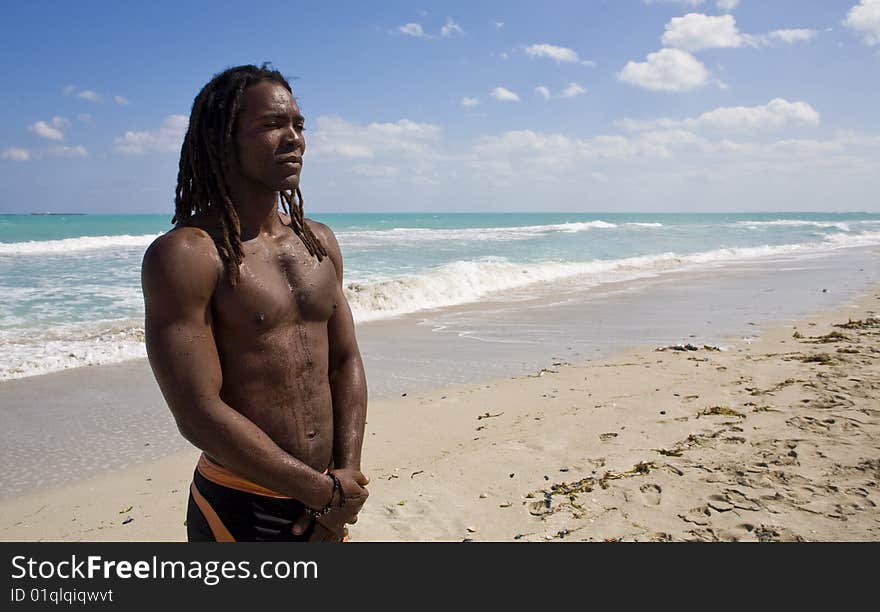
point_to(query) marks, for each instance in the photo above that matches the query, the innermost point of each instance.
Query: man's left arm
(348, 390)
(348, 383)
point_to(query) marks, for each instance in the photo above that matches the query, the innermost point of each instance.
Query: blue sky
(616, 105)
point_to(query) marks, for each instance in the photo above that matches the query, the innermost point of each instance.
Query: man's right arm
(180, 272)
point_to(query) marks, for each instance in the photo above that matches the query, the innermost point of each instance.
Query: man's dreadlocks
(207, 149)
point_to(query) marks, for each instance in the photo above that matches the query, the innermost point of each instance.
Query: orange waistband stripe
(221, 533)
(223, 477)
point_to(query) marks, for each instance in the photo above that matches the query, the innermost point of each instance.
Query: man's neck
(257, 210)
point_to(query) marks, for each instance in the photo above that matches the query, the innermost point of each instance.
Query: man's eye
(301, 128)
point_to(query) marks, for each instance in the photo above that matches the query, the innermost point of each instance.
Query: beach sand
(774, 439)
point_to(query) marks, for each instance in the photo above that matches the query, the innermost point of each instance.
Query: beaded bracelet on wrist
(337, 486)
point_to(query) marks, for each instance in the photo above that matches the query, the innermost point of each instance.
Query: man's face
(269, 137)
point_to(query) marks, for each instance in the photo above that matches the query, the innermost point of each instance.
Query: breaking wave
(83, 243)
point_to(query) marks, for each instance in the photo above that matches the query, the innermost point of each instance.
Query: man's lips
(290, 159)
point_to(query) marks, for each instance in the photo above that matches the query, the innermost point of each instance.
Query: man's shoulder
(324, 234)
(183, 242)
(319, 228)
(328, 239)
(183, 251)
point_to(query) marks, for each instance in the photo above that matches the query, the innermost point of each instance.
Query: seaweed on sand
(834, 336)
(669, 452)
(860, 324)
(643, 467)
(720, 411)
(820, 358)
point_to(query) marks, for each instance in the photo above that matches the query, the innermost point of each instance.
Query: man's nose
(295, 137)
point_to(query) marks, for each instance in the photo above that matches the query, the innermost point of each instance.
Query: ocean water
(70, 284)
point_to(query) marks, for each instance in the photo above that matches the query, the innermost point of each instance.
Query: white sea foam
(399, 235)
(792, 223)
(83, 243)
(853, 240)
(462, 282)
(30, 352)
(357, 238)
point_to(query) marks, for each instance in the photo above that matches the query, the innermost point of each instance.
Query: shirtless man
(248, 331)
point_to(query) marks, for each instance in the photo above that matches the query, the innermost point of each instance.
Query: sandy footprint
(415, 520)
(772, 533)
(651, 494)
(697, 516)
(741, 501)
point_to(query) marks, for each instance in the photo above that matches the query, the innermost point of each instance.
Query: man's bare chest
(279, 285)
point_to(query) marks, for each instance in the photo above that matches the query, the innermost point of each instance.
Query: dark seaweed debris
(720, 411)
(832, 337)
(860, 324)
(643, 467)
(820, 358)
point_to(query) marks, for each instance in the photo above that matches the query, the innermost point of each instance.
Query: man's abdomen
(281, 383)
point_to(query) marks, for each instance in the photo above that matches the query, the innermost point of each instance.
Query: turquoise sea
(70, 284)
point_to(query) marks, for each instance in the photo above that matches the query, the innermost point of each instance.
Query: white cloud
(551, 156)
(415, 29)
(336, 137)
(498, 24)
(572, 90)
(697, 168)
(451, 28)
(696, 31)
(465, 101)
(657, 167)
(412, 29)
(50, 131)
(68, 151)
(668, 70)
(864, 18)
(44, 130)
(85, 94)
(805, 148)
(121, 101)
(727, 5)
(504, 95)
(557, 54)
(775, 114)
(15, 154)
(792, 36)
(88, 94)
(503, 55)
(671, 138)
(166, 139)
(792, 151)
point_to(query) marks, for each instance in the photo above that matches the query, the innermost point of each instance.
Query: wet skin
(266, 376)
(272, 342)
